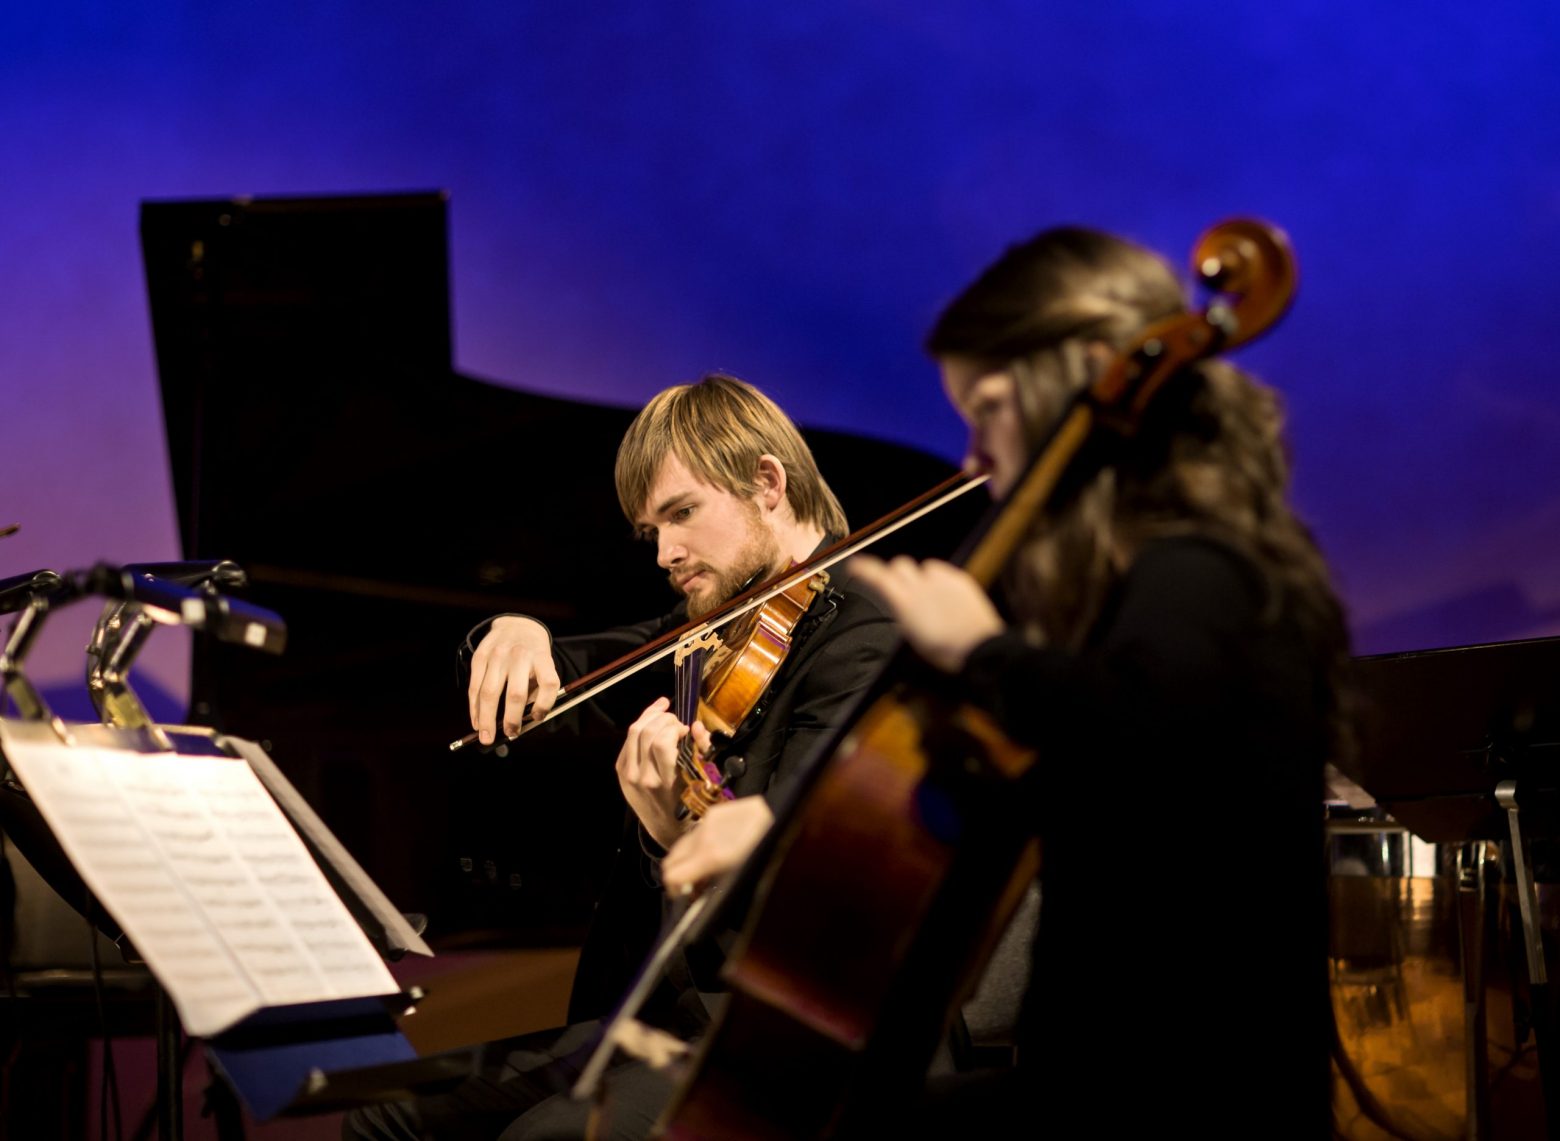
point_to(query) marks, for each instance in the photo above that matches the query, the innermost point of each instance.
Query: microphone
(168, 601)
(222, 573)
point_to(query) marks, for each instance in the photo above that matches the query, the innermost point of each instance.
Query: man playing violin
(720, 480)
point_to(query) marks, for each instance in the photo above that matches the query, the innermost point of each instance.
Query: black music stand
(1463, 744)
(277, 1057)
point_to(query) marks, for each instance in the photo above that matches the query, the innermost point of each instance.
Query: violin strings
(688, 678)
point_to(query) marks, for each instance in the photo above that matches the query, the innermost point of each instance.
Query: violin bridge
(708, 641)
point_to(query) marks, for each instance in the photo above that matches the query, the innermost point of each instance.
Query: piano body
(320, 437)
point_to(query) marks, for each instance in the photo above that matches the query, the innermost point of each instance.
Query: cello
(905, 843)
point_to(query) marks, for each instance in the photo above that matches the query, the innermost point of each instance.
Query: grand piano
(384, 503)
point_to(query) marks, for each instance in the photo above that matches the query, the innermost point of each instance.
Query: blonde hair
(719, 427)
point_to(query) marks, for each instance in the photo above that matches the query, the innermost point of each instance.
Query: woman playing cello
(1172, 648)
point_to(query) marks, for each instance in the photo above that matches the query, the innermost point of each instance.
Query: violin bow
(600, 680)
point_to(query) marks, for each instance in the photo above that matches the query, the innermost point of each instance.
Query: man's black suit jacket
(837, 651)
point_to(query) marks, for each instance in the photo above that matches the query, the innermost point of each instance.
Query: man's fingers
(658, 751)
(513, 658)
(488, 694)
(547, 686)
(631, 758)
(518, 690)
(628, 755)
(479, 664)
(651, 749)
(474, 689)
(652, 713)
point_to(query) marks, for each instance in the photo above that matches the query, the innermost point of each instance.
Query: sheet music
(306, 822)
(199, 866)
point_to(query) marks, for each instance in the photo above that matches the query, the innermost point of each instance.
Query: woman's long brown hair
(1211, 461)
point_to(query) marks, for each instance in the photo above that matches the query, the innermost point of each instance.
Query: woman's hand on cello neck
(723, 839)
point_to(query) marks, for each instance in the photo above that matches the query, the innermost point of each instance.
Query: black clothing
(836, 651)
(1180, 963)
(522, 1093)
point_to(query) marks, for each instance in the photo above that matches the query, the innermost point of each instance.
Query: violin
(719, 682)
(905, 843)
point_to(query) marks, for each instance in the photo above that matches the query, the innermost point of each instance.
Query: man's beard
(758, 559)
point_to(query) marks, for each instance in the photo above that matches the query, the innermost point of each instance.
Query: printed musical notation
(205, 874)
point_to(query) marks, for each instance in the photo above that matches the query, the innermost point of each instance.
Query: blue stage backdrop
(644, 191)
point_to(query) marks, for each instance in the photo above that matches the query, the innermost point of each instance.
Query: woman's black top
(1180, 964)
